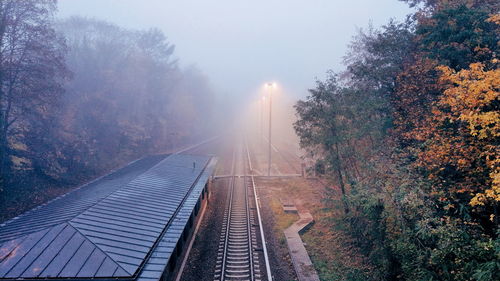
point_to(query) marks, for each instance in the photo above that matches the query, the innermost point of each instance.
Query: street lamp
(262, 102)
(270, 87)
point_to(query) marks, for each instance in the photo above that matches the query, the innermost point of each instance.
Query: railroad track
(289, 158)
(242, 242)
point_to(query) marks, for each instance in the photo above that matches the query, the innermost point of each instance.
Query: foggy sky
(240, 45)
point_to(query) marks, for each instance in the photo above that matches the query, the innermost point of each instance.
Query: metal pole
(261, 121)
(270, 117)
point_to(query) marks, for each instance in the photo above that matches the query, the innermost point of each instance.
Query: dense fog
(366, 132)
(83, 96)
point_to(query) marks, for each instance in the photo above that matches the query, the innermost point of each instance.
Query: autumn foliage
(471, 102)
(411, 132)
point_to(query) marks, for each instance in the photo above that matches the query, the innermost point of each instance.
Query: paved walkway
(300, 259)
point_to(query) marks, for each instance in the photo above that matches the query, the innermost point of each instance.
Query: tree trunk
(338, 169)
(4, 155)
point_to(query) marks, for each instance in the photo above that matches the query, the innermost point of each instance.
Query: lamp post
(262, 102)
(270, 86)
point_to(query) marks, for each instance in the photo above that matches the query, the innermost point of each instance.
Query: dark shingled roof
(123, 225)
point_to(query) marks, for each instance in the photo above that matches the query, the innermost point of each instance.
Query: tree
(417, 111)
(462, 155)
(32, 71)
(319, 127)
(129, 97)
(439, 4)
(434, 116)
(458, 35)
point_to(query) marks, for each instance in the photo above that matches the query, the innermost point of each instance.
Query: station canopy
(124, 225)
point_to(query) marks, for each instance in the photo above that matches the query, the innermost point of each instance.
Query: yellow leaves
(488, 121)
(495, 18)
(490, 194)
(471, 98)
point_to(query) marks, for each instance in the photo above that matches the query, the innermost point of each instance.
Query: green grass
(331, 252)
(282, 220)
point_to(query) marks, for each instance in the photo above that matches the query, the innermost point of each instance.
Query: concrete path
(300, 259)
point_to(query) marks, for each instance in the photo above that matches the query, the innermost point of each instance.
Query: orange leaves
(453, 120)
(471, 98)
(493, 192)
(417, 89)
(495, 18)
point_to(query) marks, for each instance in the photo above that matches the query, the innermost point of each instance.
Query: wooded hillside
(79, 97)
(410, 134)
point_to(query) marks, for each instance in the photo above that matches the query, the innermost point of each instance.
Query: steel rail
(237, 258)
(228, 225)
(259, 219)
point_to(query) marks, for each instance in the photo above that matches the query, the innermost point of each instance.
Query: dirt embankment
(332, 252)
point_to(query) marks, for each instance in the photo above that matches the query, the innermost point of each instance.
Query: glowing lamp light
(271, 85)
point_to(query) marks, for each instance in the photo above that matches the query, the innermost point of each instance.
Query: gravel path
(201, 261)
(279, 258)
